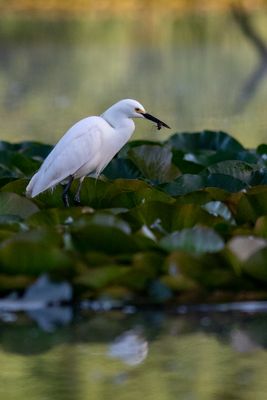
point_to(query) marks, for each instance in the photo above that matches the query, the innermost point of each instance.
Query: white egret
(87, 147)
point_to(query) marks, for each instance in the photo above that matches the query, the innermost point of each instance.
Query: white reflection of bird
(87, 147)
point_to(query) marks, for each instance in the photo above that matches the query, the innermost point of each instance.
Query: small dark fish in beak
(159, 123)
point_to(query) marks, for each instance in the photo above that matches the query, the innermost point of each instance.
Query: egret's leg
(65, 196)
(77, 194)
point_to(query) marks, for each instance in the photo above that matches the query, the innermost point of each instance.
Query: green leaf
(161, 218)
(122, 168)
(252, 205)
(236, 169)
(196, 240)
(225, 182)
(260, 228)
(16, 186)
(30, 257)
(185, 166)
(255, 266)
(18, 163)
(100, 277)
(98, 237)
(155, 162)
(11, 203)
(186, 183)
(34, 150)
(55, 216)
(243, 247)
(122, 193)
(212, 140)
(209, 157)
(218, 208)
(211, 271)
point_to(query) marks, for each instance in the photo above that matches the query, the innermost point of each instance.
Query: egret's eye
(138, 110)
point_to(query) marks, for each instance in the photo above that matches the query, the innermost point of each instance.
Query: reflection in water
(130, 347)
(43, 303)
(207, 356)
(188, 69)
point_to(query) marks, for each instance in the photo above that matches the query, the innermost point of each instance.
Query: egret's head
(131, 108)
(134, 109)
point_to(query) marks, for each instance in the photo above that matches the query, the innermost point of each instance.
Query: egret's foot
(65, 196)
(65, 199)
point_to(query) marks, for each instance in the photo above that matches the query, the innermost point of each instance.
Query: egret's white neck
(118, 120)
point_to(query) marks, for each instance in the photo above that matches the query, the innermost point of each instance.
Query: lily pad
(155, 162)
(245, 246)
(236, 169)
(255, 266)
(11, 203)
(122, 168)
(186, 183)
(252, 205)
(218, 208)
(108, 239)
(196, 240)
(18, 163)
(213, 140)
(162, 219)
(25, 257)
(207, 270)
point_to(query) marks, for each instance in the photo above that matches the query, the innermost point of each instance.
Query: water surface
(149, 355)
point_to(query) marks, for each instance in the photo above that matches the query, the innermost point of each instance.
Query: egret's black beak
(159, 123)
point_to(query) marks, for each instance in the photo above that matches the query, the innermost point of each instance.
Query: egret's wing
(79, 146)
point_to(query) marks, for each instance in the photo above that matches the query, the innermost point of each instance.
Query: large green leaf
(184, 184)
(225, 182)
(252, 205)
(260, 228)
(212, 140)
(11, 203)
(189, 183)
(16, 186)
(244, 247)
(255, 266)
(100, 277)
(209, 157)
(111, 238)
(54, 217)
(194, 240)
(18, 163)
(218, 208)
(185, 166)
(34, 150)
(236, 169)
(122, 193)
(162, 218)
(28, 256)
(122, 168)
(155, 162)
(209, 270)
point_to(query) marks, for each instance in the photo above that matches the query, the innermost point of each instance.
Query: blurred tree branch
(251, 85)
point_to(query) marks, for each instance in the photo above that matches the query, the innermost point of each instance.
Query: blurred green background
(189, 63)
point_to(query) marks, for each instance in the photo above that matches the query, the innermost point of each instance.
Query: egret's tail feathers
(37, 185)
(41, 182)
(32, 188)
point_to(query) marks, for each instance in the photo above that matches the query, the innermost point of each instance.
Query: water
(150, 355)
(189, 70)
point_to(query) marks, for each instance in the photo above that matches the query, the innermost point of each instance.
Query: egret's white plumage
(88, 146)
